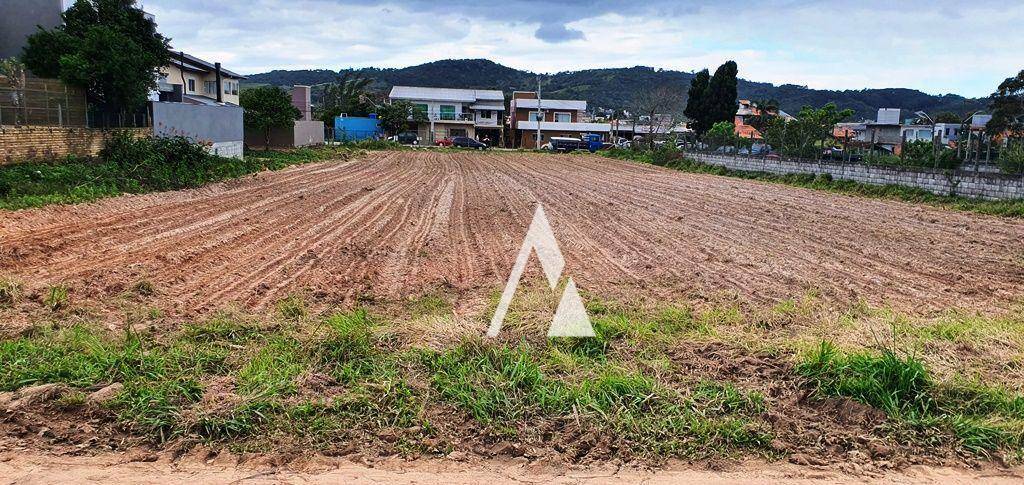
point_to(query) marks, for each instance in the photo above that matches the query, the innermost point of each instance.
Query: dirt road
(25, 469)
(399, 223)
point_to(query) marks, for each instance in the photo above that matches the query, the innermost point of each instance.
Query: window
(533, 136)
(536, 116)
(485, 113)
(563, 117)
(447, 112)
(210, 87)
(422, 108)
(191, 85)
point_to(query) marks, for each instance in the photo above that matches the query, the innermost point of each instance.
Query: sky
(937, 46)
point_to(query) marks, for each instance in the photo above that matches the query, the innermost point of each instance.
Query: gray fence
(973, 183)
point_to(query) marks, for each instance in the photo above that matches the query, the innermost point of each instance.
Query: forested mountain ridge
(615, 88)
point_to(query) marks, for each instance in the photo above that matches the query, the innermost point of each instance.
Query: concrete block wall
(966, 183)
(24, 143)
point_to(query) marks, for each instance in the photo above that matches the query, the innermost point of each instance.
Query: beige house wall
(174, 76)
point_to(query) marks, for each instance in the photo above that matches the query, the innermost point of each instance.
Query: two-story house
(476, 113)
(189, 79)
(556, 117)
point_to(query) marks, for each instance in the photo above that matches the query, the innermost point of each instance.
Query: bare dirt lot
(281, 390)
(402, 223)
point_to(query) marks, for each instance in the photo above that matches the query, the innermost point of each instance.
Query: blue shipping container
(351, 128)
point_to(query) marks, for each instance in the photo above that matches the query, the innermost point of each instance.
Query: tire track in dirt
(402, 223)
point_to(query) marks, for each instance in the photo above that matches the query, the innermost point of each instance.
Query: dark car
(467, 142)
(407, 138)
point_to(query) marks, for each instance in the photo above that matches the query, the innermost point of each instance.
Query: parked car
(467, 142)
(407, 138)
(566, 144)
(839, 154)
(444, 142)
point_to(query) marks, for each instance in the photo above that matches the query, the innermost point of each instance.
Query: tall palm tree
(348, 94)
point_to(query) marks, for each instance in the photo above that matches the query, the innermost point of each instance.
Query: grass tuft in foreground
(980, 417)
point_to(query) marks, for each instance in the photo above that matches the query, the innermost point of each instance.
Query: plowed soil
(393, 224)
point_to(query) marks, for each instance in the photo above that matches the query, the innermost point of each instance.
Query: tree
(348, 94)
(268, 107)
(721, 96)
(108, 47)
(721, 134)
(1007, 105)
(808, 133)
(947, 117)
(695, 102)
(712, 99)
(767, 109)
(660, 105)
(396, 116)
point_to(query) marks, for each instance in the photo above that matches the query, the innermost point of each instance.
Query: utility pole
(540, 115)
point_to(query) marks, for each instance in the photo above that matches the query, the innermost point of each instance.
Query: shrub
(1011, 158)
(162, 163)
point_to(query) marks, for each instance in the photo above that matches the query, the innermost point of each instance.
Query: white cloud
(937, 46)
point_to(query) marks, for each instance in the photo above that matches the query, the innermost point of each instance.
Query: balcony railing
(446, 116)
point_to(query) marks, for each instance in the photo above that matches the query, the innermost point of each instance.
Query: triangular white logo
(571, 318)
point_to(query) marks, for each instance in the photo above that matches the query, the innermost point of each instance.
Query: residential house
(189, 79)
(948, 133)
(476, 113)
(744, 113)
(555, 117)
(886, 132)
(850, 132)
(912, 133)
(199, 100)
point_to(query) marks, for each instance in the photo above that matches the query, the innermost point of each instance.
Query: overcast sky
(937, 46)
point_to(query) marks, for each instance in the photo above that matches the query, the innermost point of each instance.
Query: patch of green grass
(221, 328)
(508, 388)
(429, 306)
(292, 307)
(271, 372)
(982, 418)
(725, 316)
(678, 161)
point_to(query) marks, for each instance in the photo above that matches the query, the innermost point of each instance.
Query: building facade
(189, 79)
(20, 19)
(476, 113)
(556, 117)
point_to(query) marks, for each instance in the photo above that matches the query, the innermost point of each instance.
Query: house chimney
(220, 89)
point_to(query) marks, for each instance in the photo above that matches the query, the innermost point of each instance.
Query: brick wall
(18, 144)
(966, 183)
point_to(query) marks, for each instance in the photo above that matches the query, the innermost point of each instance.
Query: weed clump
(10, 291)
(56, 298)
